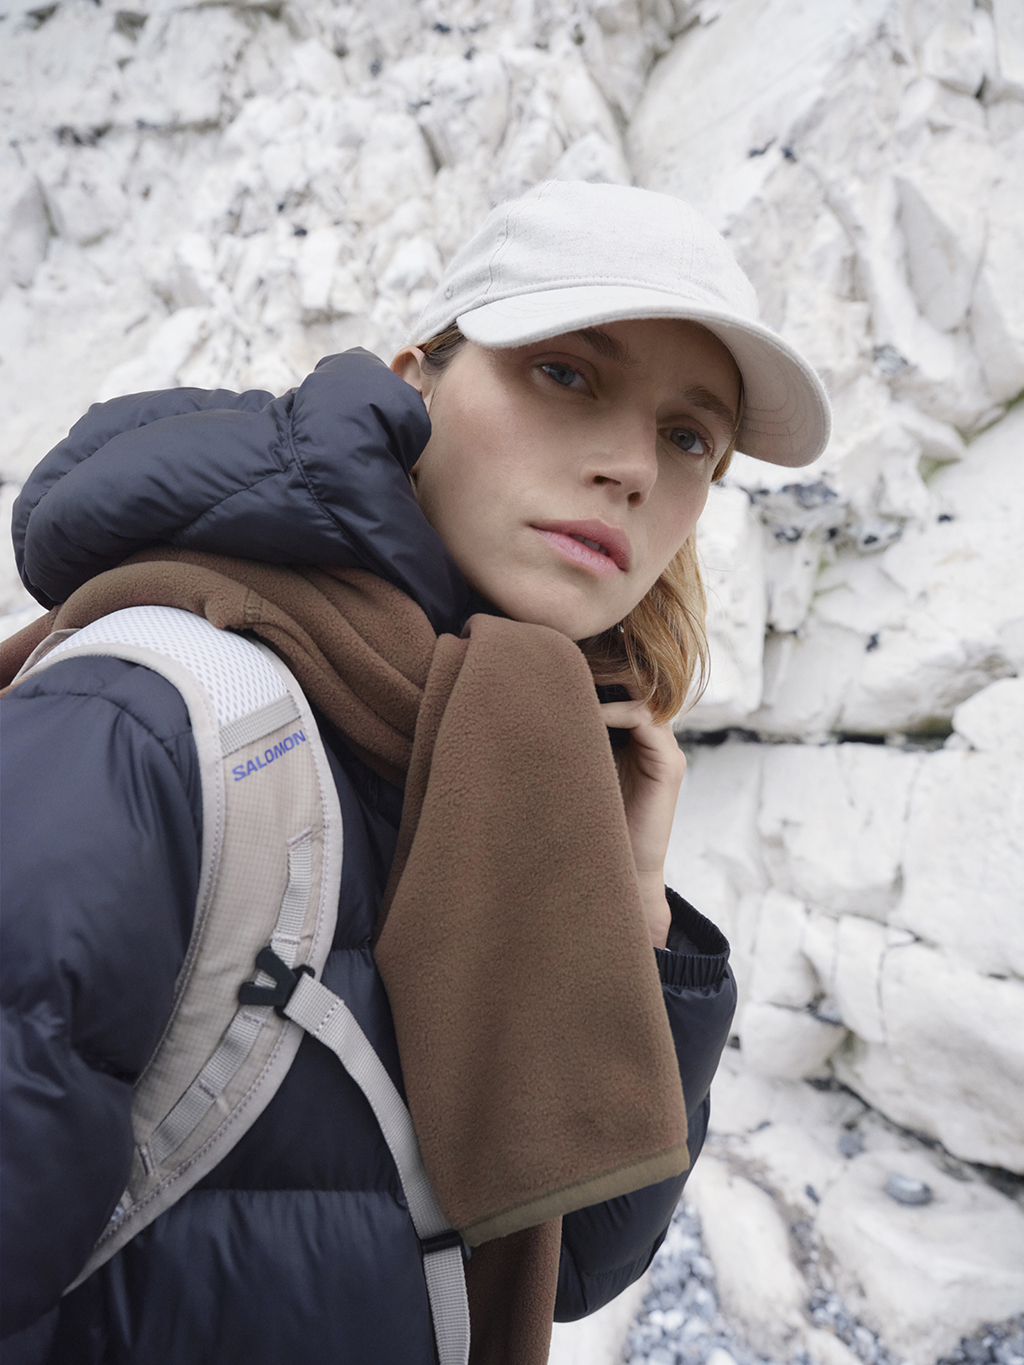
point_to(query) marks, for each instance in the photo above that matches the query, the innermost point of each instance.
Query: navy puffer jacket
(299, 1244)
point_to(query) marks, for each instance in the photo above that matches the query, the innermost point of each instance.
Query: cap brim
(786, 415)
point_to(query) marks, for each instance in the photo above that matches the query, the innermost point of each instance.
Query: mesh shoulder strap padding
(270, 874)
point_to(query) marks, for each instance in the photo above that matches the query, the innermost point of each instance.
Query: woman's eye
(564, 375)
(689, 440)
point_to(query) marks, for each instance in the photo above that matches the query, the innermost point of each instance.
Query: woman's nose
(626, 464)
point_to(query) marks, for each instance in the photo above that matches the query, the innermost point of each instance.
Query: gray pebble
(850, 1144)
(906, 1190)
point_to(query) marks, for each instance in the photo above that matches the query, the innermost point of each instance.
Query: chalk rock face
(917, 1277)
(992, 721)
(731, 553)
(925, 1273)
(221, 195)
(761, 1288)
(872, 924)
(897, 640)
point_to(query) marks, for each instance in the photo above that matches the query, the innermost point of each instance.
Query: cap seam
(549, 286)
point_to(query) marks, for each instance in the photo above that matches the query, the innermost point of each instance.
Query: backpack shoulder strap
(270, 875)
(268, 893)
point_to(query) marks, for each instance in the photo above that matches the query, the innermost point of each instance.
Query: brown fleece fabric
(536, 1053)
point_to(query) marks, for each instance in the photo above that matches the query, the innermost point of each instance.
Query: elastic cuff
(698, 951)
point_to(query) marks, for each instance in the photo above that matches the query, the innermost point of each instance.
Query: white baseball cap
(569, 255)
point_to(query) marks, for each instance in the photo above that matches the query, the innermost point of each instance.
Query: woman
(588, 363)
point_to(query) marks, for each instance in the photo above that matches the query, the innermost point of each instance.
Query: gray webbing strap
(198, 1099)
(242, 1032)
(327, 1017)
(249, 728)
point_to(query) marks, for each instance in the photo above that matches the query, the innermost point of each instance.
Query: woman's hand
(651, 768)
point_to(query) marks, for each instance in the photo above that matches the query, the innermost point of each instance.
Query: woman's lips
(606, 554)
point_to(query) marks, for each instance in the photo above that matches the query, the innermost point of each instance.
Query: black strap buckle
(441, 1241)
(285, 981)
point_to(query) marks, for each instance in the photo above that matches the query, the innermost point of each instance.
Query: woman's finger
(625, 715)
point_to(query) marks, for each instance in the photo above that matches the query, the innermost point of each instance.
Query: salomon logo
(267, 757)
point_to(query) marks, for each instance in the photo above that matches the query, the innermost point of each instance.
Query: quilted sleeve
(101, 847)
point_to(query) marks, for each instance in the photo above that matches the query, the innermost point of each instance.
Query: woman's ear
(408, 365)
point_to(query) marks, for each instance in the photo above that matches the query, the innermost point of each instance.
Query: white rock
(826, 1349)
(720, 138)
(714, 858)
(463, 105)
(963, 863)
(744, 1103)
(748, 1242)
(952, 1065)
(923, 1277)
(956, 48)
(730, 551)
(832, 820)
(25, 228)
(997, 307)
(182, 73)
(993, 719)
(795, 1155)
(317, 69)
(790, 573)
(785, 1043)
(861, 949)
(820, 945)
(806, 677)
(394, 165)
(162, 363)
(898, 641)
(939, 202)
(1009, 24)
(592, 158)
(781, 974)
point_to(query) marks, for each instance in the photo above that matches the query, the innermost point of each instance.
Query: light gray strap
(199, 1098)
(241, 1034)
(328, 1018)
(288, 930)
(248, 729)
(445, 1273)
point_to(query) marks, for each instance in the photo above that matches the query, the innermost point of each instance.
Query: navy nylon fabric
(299, 1242)
(319, 476)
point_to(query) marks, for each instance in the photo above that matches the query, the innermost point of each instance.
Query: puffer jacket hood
(299, 479)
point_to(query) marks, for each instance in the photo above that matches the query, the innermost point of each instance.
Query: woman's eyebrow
(605, 345)
(710, 403)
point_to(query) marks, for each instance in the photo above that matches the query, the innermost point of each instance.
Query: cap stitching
(566, 282)
(503, 245)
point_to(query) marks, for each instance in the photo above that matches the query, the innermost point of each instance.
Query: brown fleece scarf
(535, 1048)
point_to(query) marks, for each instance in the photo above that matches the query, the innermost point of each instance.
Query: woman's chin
(575, 619)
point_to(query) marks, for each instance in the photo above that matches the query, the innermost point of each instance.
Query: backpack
(265, 915)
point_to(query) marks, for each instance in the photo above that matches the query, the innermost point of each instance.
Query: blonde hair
(660, 648)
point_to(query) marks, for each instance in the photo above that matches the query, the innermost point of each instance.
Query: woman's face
(563, 476)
